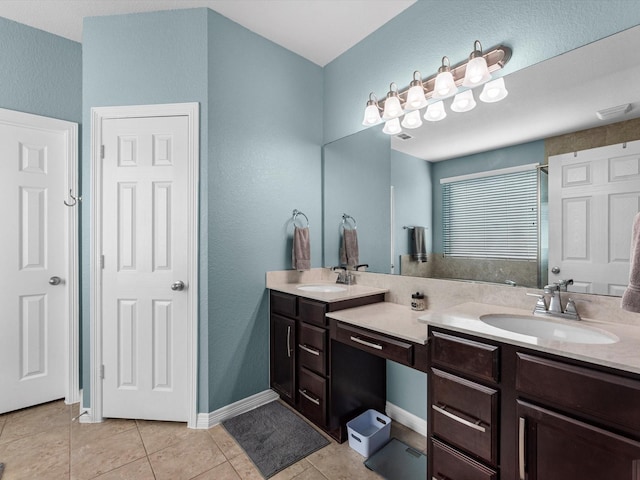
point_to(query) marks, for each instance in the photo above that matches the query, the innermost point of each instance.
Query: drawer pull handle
(364, 342)
(289, 341)
(309, 397)
(475, 426)
(521, 437)
(312, 351)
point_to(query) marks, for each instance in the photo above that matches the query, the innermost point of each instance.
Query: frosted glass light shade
(371, 116)
(463, 102)
(494, 91)
(445, 85)
(477, 72)
(392, 108)
(392, 127)
(435, 112)
(416, 98)
(412, 120)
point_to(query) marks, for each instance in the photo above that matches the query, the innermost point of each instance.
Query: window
(491, 215)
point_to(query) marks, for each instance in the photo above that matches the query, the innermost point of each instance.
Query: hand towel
(349, 252)
(418, 247)
(301, 252)
(631, 296)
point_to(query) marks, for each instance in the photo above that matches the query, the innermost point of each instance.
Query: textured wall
(40, 73)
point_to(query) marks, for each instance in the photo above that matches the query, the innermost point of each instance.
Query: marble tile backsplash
(442, 294)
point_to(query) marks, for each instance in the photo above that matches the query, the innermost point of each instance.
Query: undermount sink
(321, 288)
(548, 329)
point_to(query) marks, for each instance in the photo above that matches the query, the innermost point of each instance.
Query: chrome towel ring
(297, 212)
(346, 218)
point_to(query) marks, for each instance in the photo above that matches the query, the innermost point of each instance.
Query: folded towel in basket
(349, 252)
(301, 252)
(631, 296)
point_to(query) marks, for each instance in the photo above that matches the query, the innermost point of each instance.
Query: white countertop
(351, 291)
(622, 355)
(389, 318)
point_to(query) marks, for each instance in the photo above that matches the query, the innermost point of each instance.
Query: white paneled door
(594, 196)
(34, 260)
(145, 177)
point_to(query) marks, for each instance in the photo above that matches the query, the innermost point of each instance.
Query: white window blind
(494, 216)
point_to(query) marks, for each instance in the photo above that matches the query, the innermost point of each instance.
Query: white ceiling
(318, 30)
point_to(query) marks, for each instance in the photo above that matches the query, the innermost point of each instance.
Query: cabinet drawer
(603, 396)
(313, 312)
(313, 393)
(465, 414)
(312, 348)
(377, 344)
(284, 304)
(448, 464)
(466, 356)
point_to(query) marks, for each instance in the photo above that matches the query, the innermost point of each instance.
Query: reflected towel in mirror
(631, 296)
(418, 248)
(301, 252)
(349, 252)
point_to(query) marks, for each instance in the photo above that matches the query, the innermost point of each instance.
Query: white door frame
(70, 132)
(98, 115)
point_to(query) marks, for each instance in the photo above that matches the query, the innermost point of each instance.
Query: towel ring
(297, 212)
(345, 218)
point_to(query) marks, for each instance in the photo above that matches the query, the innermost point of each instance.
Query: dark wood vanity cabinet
(301, 359)
(508, 412)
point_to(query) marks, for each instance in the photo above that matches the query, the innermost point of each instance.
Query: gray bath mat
(274, 437)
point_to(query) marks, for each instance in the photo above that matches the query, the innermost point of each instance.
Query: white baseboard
(208, 420)
(407, 419)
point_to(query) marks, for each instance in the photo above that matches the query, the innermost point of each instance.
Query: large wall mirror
(390, 185)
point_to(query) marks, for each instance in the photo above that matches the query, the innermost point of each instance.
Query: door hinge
(102, 261)
(102, 372)
(102, 152)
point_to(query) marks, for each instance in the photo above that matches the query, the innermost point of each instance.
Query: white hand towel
(631, 297)
(301, 252)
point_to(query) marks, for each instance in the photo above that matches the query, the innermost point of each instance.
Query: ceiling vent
(404, 136)
(613, 112)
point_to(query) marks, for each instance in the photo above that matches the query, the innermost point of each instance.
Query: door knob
(55, 281)
(177, 286)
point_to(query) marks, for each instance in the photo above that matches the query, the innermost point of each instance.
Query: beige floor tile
(408, 436)
(311, 474)
(138, 470)
(83, 433)
(221, 472)
(33, 420)
(159, 435)
(226, 442)
(43, 456)
(339, 462)
(105, 454)
(187, 458)
(245, 468)
(293, 471)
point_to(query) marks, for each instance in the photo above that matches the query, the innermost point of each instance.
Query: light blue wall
(411, 180)
(430, 29)
(260, 159)
(40, 73)
(532, 152)
(407, 389)
(358, 169)
(265, 137)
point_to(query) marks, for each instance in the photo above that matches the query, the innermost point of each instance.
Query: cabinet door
(552, 446)
(283, 360)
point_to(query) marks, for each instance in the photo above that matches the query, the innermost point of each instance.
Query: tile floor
(43, 443)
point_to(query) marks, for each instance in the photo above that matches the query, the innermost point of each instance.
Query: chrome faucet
(345, 276)
(554, 307)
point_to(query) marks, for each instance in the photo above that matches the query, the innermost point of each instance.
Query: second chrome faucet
(554, 307)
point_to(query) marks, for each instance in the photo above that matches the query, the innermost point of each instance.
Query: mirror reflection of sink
(321, 288)
(548, 329)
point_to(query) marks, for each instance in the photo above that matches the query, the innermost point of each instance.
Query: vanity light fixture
(474, 71)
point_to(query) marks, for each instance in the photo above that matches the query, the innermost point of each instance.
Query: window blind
(493, 216)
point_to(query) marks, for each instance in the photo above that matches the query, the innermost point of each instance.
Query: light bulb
(392, 108)
(412, 120)
(477, 71)
(445, 84)
(494, 91)
(435, 112)
(371, 115)
(463, 102)
(416, 98)
(392, 127)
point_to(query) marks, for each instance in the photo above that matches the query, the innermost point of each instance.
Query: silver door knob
(55, 281)
(177, 286)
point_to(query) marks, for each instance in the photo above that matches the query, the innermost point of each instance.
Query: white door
(34, 261)
(593, 197)
(144, 237)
